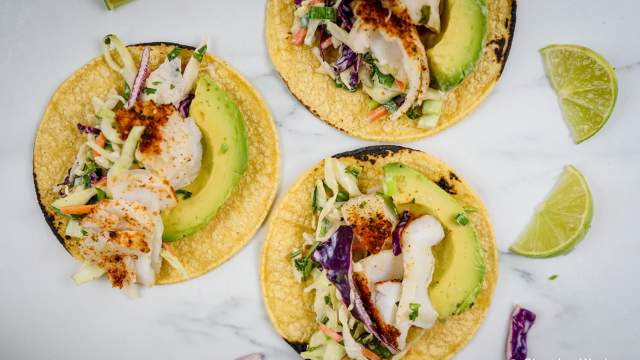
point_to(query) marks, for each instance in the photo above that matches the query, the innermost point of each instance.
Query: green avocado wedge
(224, 160)
(459, 267)
(460, 44)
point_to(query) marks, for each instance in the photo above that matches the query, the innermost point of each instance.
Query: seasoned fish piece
(417, 12)
(372, 221)
(153, 191)
(119, 239)
(170, 145)
(415, 308)
(396, 45)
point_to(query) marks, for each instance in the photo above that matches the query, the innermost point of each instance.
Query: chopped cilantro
(390, 105)
(384, 79)
(342, 196)
(184, 194)
(378, 348)
(426, 14)
(199, 53)
(148, 91)
(100, 194)
(324, 227)
(353, 170)
(415, 309)
(127, 92)
(327, 300)
(553, 277)
(314, 200)
(462, 219)
(174, 53)
(295, 253)
(304, 265)
(414, 112)
(323, 13)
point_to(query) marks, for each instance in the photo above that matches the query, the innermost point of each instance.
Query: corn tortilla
(236, 221)
(291, 310)
(347, 111)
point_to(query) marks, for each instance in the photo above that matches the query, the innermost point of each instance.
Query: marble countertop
(511, 150)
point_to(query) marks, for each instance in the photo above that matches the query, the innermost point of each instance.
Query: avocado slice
(224, 160)
(460, 267)
(460, 42)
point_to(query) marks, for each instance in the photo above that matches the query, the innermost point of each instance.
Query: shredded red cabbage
(347, 59)
(353, 80)
(335, 256)
(345, 14)
(96, 176)
(322, 37)
(399, 100)
(521, 321)
(298, 2)
(138, 82)
(184, 105)
(396, 245)
(85, 129)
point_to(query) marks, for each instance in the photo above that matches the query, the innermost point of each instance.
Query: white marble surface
(511, 149)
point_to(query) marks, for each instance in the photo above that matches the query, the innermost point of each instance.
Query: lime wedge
(586, 86)
(561, 221)
(112, 4)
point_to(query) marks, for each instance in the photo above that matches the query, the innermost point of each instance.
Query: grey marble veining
(510, 150)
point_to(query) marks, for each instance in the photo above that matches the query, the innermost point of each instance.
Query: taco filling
(144, 156)
(370, 262)
(377, 48)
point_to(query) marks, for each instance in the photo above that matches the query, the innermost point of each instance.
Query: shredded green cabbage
(129, 69)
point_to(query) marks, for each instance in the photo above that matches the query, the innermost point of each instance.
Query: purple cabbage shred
(345, 14)
(521, 321)
(184, 105)
(141, 77)
(353, 80)
(85, 129)
(396, 244)
(347, 59)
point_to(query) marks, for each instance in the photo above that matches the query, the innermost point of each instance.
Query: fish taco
(390, 70)
(154, 163)
(378, 253)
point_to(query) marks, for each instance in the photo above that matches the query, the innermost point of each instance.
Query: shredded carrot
(76, 209)
(298, 38)
(326, 43)
(100, 141)
(101, 183)
(330, 332)
(378, 113)
(316, 2)
(369, 354)
(168, 247)
(401, 85)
